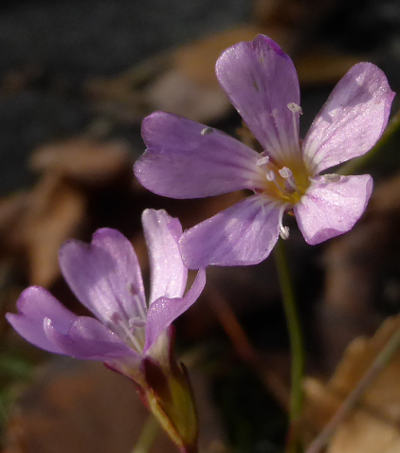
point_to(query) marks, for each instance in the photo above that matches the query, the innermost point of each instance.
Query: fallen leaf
(196, 60)
(174, 92)
(12, 208)
(181, 81)
(56, 209)
(373, 426)
(83, 159)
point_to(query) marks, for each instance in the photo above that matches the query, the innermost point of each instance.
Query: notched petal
(329, 209)
(185, 159)
(34, 305)
(104, 275)
(261, 81)
(352, 119)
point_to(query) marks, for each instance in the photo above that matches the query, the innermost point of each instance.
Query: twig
(245, 350)
(147, 436)
(377, 366)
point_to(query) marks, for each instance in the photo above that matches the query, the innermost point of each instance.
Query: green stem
(349, 403)
(296, 342)
(147, 436)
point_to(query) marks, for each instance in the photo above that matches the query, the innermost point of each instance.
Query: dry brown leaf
(189, 86)
(34, 224)
(55, 211)
(181, 81)
(12, 208)
(196, 61)
(177, 93)
(83, 159)
(374, 425)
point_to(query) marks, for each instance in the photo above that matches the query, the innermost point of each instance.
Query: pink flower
(105, 276)
(185, 159)
(125, 332)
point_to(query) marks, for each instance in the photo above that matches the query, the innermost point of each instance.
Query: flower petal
(243, 234)
(352, 119)
(329, 209)
(165, 310)
(185, 159)
(168, 273)
(105, 275)
(34, 305)
(87, 339)
(261, 82)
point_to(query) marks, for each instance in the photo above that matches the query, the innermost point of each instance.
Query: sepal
(168, 394)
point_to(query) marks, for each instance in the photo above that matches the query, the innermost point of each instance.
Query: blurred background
(76, 79)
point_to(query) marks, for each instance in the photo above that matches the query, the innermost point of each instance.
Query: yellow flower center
(285, 182)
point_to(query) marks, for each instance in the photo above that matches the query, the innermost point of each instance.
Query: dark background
(63, 69)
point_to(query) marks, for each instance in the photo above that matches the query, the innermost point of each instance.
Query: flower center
(286, 182)
(131, 331)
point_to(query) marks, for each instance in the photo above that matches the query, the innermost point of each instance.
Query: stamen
(287, 175)
(118, 325)
(136, 322)
(285, 172)
(295, 108)
(332, 177)
(206, 131)
(262, 161)
(270, 175)
(284, 232)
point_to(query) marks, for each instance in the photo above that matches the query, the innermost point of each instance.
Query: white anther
(287, 175)
(206, 131)
(284, 232)
(136, 322)
(332, 177)
(285, 172)
(124, 330)
(270, 175)
(262, 161)
(295, 108)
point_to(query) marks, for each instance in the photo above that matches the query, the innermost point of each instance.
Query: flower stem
(147, 436)
(377, 366)
(296, 343)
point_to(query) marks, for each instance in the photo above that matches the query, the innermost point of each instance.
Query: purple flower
(185, 159)
(105, 276)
